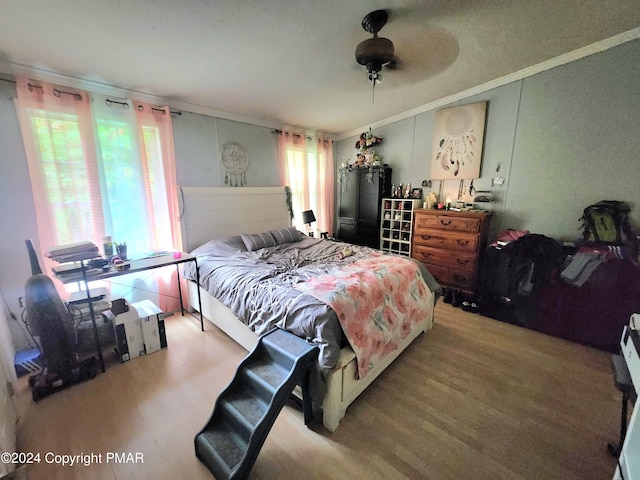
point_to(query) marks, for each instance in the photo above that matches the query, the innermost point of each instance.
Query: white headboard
(217, 212)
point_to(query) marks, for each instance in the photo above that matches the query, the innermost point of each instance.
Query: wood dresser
(451, 245)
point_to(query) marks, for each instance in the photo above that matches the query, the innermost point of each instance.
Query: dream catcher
(458, 137)
(235, 160)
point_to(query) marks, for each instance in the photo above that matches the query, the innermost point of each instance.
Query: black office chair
(49, 319)
(623, 382)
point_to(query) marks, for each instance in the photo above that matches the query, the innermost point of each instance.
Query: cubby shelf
(396, 224)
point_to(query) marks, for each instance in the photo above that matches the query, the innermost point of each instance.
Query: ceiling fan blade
(394, 64)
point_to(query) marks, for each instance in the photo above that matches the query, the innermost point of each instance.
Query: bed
(255, 272)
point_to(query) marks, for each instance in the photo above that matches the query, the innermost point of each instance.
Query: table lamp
(308, 218)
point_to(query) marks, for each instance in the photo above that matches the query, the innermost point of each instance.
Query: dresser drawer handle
(458, 278)
(463, 242)
(445, 223)
(462, 262)
(426, 237)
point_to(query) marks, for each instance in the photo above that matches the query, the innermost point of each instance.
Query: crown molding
(95, 86)
(106, 89)
(564, 59)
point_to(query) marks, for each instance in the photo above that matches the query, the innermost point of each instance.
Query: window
(99, 168)
(68, 187)
(307, 168)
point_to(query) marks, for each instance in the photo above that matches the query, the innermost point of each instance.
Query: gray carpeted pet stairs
(246, 410)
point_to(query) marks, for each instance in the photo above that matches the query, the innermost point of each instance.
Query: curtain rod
(125, 105)
(171, 112)
(108, 101)
(56, 92)
(298, 135)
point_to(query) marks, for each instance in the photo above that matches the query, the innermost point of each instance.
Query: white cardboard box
(152, 325)
(129, 335)
(140, 330)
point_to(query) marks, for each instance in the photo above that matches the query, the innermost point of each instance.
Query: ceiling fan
(375, 52)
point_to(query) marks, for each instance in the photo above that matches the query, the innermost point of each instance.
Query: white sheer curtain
(136, 206)
(306, 166)
(122, 184)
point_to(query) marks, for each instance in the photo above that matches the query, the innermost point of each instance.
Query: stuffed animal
(345, 252)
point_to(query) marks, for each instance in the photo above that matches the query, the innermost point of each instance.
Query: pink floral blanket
(378, 301)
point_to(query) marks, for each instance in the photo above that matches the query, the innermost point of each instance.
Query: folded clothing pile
(73, 251)
(582, 265)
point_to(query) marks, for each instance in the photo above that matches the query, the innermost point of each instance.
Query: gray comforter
(257, 286)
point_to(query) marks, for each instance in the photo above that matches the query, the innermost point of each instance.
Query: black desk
(87, 275)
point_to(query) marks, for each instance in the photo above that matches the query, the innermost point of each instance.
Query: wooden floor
(472, 399)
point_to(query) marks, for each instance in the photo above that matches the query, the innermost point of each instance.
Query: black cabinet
(359, 206)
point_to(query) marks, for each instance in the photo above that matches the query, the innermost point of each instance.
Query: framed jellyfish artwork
(457, 142)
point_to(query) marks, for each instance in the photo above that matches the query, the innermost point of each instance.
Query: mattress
(260, 286)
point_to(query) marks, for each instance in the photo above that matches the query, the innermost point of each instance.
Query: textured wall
(562, 139)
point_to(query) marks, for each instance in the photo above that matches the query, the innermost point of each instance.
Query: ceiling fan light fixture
(373, 67)
(374, 52)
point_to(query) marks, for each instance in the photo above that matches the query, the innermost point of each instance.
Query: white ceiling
(291, 62)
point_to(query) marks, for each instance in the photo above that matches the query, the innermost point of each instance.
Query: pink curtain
(326, 185)
(159, 164)
(54, 119)
(98, 168)
(306, 166)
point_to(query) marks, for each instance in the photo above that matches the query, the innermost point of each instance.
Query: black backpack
(607, 222)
